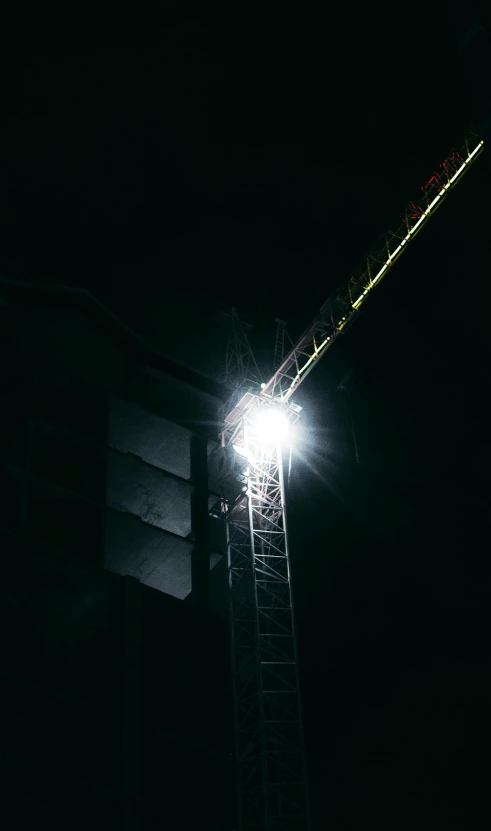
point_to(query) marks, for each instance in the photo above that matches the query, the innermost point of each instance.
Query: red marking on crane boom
(452, 164)
(433, 180)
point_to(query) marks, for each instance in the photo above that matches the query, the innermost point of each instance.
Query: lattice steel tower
(270, 758)
(270, 755)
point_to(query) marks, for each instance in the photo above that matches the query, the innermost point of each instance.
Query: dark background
(212, 154)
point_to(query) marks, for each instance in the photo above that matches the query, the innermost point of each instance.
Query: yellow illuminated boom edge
(340, 310)
(412, 231)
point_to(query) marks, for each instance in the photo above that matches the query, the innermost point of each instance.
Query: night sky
(249, 155)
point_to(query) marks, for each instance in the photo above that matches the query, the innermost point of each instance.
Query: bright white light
(244, 453)
(270, 425)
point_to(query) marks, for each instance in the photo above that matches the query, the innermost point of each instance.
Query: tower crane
(269, 746)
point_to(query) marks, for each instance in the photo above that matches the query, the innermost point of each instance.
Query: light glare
(271, 425)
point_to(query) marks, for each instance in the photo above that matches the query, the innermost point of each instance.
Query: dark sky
(249, 154)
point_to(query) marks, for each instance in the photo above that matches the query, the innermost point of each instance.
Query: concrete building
(114, 589)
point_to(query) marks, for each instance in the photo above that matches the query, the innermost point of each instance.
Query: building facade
(114, 592)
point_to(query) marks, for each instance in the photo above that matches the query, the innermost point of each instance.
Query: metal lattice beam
(339, 311)
(270, 755)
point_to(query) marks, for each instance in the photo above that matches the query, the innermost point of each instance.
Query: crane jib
(340, 310)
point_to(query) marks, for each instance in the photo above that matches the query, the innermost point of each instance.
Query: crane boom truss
(270, 755)
(339, 311)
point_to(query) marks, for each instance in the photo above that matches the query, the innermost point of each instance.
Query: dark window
(65, 523)
(65, 402)
(59, 456)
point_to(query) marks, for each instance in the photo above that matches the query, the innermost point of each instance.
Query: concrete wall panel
(147, 492)
(158, 441)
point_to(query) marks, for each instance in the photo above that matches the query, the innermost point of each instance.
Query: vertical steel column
(301, 737)
(132, 707)
(200, 557)
(270, 755)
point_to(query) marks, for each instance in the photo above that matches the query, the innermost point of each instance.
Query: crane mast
(269, 747)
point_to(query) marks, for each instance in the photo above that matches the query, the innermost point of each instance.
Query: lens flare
(271, 425)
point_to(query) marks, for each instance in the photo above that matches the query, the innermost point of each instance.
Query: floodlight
(270, 425)
(246, 454)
